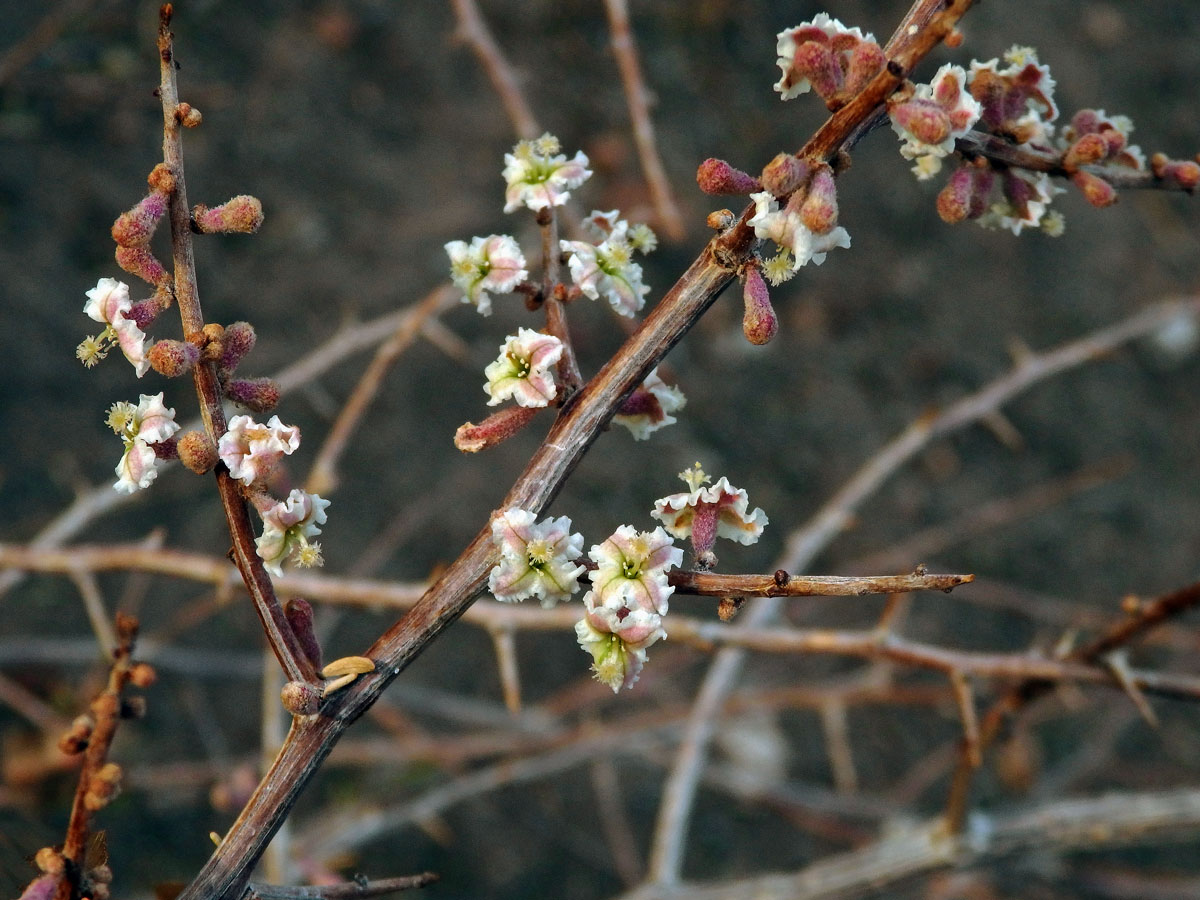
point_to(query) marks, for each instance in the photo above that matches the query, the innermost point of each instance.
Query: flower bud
(103, 787)
(50, 861)
(142, 675)
(299, 614)
(715, 176)
(141, 262)
(161, 179)
(954, 200)
(924, 119)
(44, 887)
(1091, 148)
(866, 61)
(236, 341)
(814, 61)
(759, 322)
(784, 174)
(187, 115)
(242, 214)
(135, 227)
(495, 429)
(300, 698)
(101, 874)
(173, 358)
(257, 394)
(819, 212)
(197, 452)
(75, 739)
(1095, 190)
(144, 312)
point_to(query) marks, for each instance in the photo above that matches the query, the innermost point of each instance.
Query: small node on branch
(781, 577)
(300, 698)
(173, 358)
(239, 215)
(161, 179)
(720, 219)
(197, 453)
(103, 787)
(728, 607)
(187, 115)
(76, 738)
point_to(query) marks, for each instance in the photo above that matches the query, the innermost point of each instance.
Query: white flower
(720, 505)
(251, 450)
(148, 423)
(650, 406)
(287, 526)
(786, 229)
(492, 263)
(537, 559)
(523, 371)
(617, 658)
(607, 270)
(631, 569)
(107, 303)
(538, 176)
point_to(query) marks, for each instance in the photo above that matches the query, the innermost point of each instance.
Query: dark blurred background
(372, 138)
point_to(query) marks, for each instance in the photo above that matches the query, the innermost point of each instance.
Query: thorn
(1118, 664)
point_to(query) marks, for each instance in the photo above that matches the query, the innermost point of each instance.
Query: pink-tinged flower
(1017, 100)
(493, 263)
(251, 450)
(1108, 136)
(787, 229)
(826, 55)
(617, 639)
(1026, 196)
(650, 406)
(537, 559)
(934, 117)
(706, 513)
(538, 176)
(607, 270)
(140, 427)
(631, 569)
(524, 370)
(287, 527)
(108, 303)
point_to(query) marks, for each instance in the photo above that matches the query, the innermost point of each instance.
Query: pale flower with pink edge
(524, 370)
(287, 527)
(786, 229)
(617, 640)
(493, 263)
(538, 176)
(251, 451)
(607, 270)
(679, 512)
(945, 100)
(140, 427)
(631, 568)
(537, 559)
(650, 406)
(825, 30)
(107, 304)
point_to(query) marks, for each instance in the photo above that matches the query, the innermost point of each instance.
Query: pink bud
(819, 212)
(257, 394)
(1086, 121)
(236, 341)
(954, 200)
(715, 176)
(141, 262)
(815, 62)
(144, 312)
(1091, 148)
(173, 358)
(784, 174)
(495, 429)
(866, 61)
(923, 119)
(759, 322)
(704, 530)
(1096, 190)
(197, 452)
(135, 227)
(983, 180)
(242, 214)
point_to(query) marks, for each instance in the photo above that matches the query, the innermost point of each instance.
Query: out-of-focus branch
(348, 890)
(473, 32)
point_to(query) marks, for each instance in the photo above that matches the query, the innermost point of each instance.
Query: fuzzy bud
(259, 395)
(141, 262)
(101, 874)
(720, 219)
(142, 675)
(135, 227)
(103, 787)
(784, 174)
(727, 607)
(236, 341)
(759, 322)
(187, 115)
(495, 429)
(715, 176)
(242, 214)
(300, 698)
(299, 614)
(866, 61)
(819, 212)
(1185, 173)
(50, 861)
(1095, 190)
(954, 200)
(173, 358)
(161, 179)
(144, 312)
(923, 119)
(197, 452)
(1091, 148)
(42, 888)
(815, 62)
(75, 739)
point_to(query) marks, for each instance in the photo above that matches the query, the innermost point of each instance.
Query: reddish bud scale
(197, 452)
(260, 395)
(495, 429)
(240, 215)
(785, 174)
(715, 176)
(759, 322)
(135, 227)
(1095, 190)
(141, 262)
(173, 358)
(299, 614)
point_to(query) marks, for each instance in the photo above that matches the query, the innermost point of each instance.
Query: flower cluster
(141, 428)
(930, 117)
(605, 269)
(826, 56)
(806, 229)
(251, 451)
(109, 304)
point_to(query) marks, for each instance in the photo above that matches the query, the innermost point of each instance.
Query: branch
(710, 584)
(348, 890)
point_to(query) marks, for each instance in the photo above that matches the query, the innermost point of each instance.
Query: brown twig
(625, 50)
(208, 391)
(473, 31)
(710, 584)
(347, 890)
